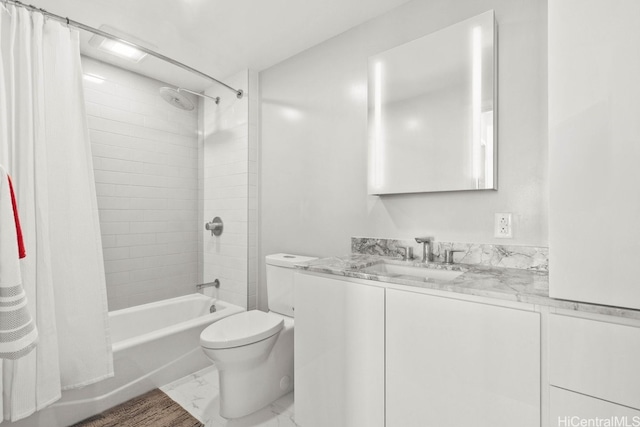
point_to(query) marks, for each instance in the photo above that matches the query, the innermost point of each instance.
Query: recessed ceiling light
(117, 48)
(122, 50)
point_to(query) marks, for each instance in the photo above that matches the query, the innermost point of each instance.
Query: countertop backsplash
(505, 256)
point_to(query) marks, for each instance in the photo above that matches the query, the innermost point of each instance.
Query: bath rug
(153, 409)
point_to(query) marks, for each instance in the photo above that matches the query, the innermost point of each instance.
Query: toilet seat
(241, 329)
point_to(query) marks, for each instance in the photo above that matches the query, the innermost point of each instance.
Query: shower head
(175, 98)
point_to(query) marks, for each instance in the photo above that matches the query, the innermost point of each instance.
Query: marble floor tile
(198, 393)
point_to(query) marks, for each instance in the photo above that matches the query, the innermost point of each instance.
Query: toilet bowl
(253, 350)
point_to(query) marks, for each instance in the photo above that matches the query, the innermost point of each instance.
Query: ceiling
(217, 37)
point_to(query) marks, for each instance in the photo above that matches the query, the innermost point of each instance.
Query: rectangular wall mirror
(432, 120)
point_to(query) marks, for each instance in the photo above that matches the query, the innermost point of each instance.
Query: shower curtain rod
(76, 24)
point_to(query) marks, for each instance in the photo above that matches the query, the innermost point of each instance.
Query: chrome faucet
(448, 255)
(215, 284)
(408, 253)
(427, 248)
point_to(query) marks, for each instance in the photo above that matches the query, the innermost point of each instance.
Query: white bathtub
(153, 345)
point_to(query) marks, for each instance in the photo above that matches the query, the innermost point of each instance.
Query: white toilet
(253, 350)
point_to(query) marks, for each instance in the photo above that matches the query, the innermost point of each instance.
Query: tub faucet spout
(215, 284)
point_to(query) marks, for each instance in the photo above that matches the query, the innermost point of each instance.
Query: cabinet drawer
(595, 358)
(574, 409)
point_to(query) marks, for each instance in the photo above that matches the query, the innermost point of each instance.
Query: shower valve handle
(216, 226)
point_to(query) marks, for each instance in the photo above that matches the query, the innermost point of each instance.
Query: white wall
(313, 192)
(229, 189)
(146, 169)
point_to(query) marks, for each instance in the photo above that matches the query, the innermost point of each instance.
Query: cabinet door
(594, 140)
(574, 409)
(339, 353)
(595, 358)
(452, 363)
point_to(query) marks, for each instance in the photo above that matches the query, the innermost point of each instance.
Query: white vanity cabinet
(459, 363)
(593, 370)
(339, 353)
(370, 356)
(568, 408)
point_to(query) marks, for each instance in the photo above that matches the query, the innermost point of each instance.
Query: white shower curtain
(44, 146)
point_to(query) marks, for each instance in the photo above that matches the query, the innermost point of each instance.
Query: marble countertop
(527, 286)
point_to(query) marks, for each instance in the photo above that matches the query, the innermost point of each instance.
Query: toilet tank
(280, 273)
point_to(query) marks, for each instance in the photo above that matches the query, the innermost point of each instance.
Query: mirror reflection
(431, 112)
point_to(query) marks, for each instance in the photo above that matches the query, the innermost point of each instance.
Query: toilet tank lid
(287, 260)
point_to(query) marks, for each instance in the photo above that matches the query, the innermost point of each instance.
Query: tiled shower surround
(521, 257)
(228, 181)
(145, 157)
(161, 173)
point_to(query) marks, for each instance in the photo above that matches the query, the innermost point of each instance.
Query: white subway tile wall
(145, 156)
(226, 191)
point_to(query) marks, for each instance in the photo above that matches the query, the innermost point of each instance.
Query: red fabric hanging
(21, 251)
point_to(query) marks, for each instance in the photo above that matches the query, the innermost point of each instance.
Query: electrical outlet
(503, 226)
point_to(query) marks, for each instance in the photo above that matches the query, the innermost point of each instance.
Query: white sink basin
(410, 272)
